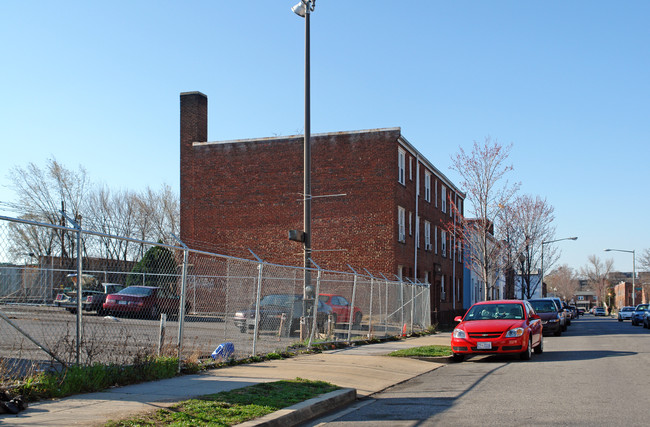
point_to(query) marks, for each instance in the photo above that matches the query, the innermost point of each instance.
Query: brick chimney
(194, 128)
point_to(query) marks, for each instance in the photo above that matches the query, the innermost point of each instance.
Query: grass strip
(424, 351)
(232, 407)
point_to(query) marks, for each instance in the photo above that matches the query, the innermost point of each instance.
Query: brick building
(246, 194)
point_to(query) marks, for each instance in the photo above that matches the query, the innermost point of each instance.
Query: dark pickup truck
(91, 300)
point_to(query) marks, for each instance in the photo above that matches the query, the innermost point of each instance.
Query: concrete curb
(307, 410)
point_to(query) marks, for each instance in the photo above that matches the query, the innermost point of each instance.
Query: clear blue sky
(567, 82)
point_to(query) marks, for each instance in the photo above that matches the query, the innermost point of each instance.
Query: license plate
(123, 302)
(484, 345)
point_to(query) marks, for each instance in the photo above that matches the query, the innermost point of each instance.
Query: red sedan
(498, 327)
(341, 309)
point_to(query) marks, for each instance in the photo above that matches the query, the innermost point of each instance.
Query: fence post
(385, 305)
(181, 309)
(372, 284)
(351, 313)
(77, 227)
(258, 296)
(315, 306)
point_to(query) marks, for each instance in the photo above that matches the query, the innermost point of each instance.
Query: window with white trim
(435, 193)
(443, 200)
(401, 165)
(443, 293)
(443, 242)
(411, 168)
(427, 236)
(427, 186)
(417, 230)
(410, 223)
(401, 219)
(435, 239)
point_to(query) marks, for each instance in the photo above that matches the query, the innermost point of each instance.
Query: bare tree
(43, 194)
(644, 260)
(533, 223)
(596, 272)
(483, 172)
(564, 282)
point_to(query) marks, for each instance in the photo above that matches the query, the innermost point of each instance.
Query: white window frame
(427, 235)
(410, 168)
(443, 200)
(427, 186)
(443, 294)
(443, 242)
(401, 166)
(417, 230)
(435, 239)
(410, 223)
(435, 193)
(401, 219)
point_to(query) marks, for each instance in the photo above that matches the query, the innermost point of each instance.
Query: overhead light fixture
(300, 9)
(304, 7)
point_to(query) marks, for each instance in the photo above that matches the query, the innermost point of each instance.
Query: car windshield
(543, 306)
(136, 291)
(628, 309)
(495, 311)
(641, 307)
(279, 299)
(324, 298)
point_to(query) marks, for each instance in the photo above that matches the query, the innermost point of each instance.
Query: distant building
(378, 203)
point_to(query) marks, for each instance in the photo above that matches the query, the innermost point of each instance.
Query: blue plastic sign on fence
(224, 351)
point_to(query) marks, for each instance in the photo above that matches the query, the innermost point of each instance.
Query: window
(401, 214)
(443, 242)
(443, 294)
(427, 236)
(411, 168)
(401, 165)
(436, 193)
(435, 239)
(410, 223)
(417, 231)
(427, 186)
(443, 200)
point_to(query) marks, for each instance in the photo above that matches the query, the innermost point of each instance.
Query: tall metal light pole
(541, 279)
(304, 10)
(633, 270)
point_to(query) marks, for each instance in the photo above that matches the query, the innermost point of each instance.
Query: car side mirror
(458, 319)
(535, 316)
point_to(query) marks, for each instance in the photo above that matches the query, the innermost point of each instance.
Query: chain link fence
(139, 298)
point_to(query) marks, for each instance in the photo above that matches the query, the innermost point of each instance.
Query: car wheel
(540, 348)
(457, 357)
(620, 319)
(527, 354)
(558, 332)
(242, 329)
(633, 322)
(563, 328)
(357, 318)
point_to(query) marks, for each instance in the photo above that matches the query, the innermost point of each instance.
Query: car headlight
(553, 320)
(516, 332)
(459, 333)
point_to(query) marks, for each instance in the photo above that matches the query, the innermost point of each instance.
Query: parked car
(600, 311)
(625, 313)
(273, 307)
(637, 316)
(547, 310)
(142, 301)
(341, 309)
(646, 318)
(498, 327)
(564, 321)
(90, 300)
(581, 311)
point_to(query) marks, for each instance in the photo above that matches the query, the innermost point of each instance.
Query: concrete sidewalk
(364, 368)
